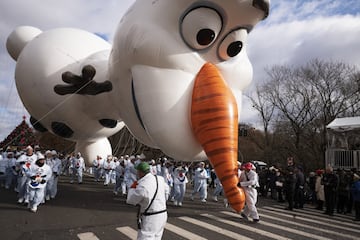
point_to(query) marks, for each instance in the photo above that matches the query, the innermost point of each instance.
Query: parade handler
(149, 193)
(39, 174)
(249, 180)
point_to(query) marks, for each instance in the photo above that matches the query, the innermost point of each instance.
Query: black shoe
(244, 217)
(256, 220)
(287, 208)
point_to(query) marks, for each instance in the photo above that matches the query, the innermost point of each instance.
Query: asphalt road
(90, 211)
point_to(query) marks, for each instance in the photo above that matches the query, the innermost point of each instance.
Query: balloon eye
(200, 27)
(234, 48)
(233, 44)
(205, 37)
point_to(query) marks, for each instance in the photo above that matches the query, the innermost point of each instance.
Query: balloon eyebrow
(263, 5)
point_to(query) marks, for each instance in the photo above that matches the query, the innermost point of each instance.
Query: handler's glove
(38, 179)
(134, 185)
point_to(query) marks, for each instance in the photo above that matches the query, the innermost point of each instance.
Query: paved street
(90, 211)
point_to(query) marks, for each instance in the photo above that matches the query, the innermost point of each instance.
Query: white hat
(40, 156)
(53, 152)
(28, 147)
(48, 152)
(356, 177)
(253, 167)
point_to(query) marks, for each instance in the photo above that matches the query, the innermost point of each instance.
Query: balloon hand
(82, 84)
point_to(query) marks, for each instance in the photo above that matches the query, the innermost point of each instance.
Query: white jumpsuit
(130, 174)
(37, 180)
(98, 168)
(108, 166)
(180, 181)
(120, 170)
(249, 181)
(152, 226)
(200, 183)
(51, 187)
(78, 166)
(3, 168)
(11, 174)
(22, 165)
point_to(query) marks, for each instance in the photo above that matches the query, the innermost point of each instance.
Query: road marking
(337, 216)
(283, 228)
(215, 228)
(317, 228)
(182, 232)
(87, 236)
(246, 227)
(305, 217)
(128, 231)
(272, 217)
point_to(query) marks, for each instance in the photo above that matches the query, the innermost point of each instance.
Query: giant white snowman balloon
(176, 74)
(61, 77)
(180, 68)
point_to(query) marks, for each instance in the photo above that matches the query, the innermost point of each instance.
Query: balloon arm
(82, 84)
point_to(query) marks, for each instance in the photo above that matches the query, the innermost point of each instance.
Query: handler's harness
(146, 213)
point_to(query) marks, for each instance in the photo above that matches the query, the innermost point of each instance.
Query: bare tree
(293, 97)
(264, 107)
(337, 87)
(301, 102)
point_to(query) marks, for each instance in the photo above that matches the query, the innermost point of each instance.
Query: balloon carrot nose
(214, 119)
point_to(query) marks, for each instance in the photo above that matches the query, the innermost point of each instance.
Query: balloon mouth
(135, 104)
(108, 123)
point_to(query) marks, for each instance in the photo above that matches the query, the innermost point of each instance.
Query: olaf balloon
(45, 61)
(175, 77)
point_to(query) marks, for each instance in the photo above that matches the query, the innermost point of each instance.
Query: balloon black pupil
(205, 36)
(234, 48)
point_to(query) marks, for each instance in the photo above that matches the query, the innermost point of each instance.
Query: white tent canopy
(344, 124)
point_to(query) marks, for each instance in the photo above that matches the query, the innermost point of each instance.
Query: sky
(295, 32)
